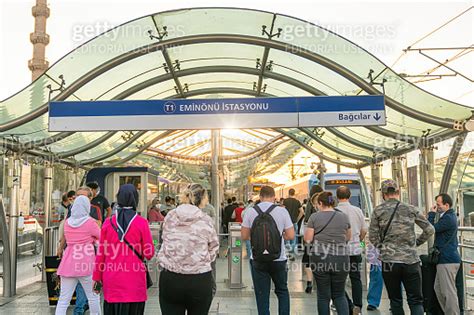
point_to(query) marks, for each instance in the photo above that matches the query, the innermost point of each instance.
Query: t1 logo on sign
(169, 107)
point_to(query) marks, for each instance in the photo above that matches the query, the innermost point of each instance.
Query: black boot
(309, 287)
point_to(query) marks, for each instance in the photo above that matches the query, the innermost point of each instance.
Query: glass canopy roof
(224, 52)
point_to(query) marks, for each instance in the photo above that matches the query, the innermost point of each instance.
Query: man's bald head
(343, 193)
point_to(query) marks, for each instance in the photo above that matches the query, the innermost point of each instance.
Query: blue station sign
(278, 112)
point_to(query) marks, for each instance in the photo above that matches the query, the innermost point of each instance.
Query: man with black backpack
(268, 226)
(392, 231)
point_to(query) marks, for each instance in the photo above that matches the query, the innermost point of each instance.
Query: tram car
(331, 181)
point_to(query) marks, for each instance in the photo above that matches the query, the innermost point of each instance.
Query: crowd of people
(335, 238)
(104, 249)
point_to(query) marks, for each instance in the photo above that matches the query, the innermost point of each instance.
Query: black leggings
(137, 308)
(180, 293)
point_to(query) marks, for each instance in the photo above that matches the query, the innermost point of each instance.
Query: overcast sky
(407, 21)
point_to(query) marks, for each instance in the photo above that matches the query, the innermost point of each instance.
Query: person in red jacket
(237, 214)
(154, 214)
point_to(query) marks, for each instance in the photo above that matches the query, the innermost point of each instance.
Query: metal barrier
(51, 239)
(466, 248)
(8, 285)
(153, 265)
(234, 257)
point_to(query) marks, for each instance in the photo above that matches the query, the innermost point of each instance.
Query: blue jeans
(248, 247)
(292, 243)
(374, 294)
(263, 273)
(81, 300)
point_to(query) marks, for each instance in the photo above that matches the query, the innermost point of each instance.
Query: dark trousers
(179, 293)
(356, 282)
(330, 273)
(262, 274)
(394, 274)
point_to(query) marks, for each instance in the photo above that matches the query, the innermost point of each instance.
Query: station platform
(33, 299)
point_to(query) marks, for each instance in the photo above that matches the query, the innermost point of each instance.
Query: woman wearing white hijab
(77, 264)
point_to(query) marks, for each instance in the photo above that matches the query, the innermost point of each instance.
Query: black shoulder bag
(308, 248)
(389, 223)
(434, 252)
(149, 282)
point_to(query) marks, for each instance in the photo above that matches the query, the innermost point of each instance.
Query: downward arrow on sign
(377, 116)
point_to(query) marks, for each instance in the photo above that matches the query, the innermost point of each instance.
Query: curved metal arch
(304, 53)
(218, 69)
(390, 134)
(355, 142)
(44, 141)
(169, 159)
(124, 145)
(346, 73)
(30, 145)
(312, 150)
(424, 142)
(221, 90)
(141, 149)
(242, 39)
(264, 148)
(86, 147)
(336, 149)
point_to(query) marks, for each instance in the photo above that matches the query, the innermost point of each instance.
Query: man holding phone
(446, 241)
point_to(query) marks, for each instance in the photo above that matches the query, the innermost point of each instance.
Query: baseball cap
(387, 184)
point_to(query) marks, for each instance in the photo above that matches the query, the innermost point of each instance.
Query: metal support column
(427, 178)
(48, 183)
(6, 258)
(322, 170)
(14, 175)
(376, 175)
(397, 171)
(215, 180)
(75, 184)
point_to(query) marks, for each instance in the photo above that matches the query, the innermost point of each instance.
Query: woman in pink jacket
(118, 268)
(77, 264)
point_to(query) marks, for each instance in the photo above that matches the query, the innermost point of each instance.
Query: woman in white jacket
(190, 245)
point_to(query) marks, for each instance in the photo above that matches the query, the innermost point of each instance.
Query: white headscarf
(79, 212)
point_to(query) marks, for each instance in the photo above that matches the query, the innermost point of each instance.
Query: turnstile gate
(153, 266)
(234, 257)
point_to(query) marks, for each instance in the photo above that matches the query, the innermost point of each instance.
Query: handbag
(149, 282)
(433, 255)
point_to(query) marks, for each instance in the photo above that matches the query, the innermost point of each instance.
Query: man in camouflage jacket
(400, 261)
